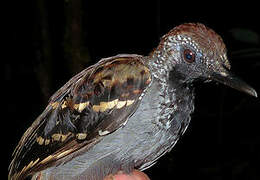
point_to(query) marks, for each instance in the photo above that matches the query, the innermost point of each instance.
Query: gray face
(197, 52)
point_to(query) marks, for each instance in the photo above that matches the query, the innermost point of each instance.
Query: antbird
(125, 111)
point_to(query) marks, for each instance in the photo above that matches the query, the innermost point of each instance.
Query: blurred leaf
(245, 35)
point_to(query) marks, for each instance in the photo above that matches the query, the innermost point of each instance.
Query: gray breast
(149, 133)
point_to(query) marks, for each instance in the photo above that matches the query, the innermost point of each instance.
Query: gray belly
(136, 145)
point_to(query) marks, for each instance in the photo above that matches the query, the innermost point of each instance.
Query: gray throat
(171, 103)
(176, 98)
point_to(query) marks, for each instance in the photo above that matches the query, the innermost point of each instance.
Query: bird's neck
(165, 69)
(176, 96)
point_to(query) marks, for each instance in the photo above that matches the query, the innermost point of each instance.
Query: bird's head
(194, 51)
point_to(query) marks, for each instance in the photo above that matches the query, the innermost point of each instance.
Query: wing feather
(94, 103)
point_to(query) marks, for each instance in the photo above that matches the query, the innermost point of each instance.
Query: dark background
(49, 41)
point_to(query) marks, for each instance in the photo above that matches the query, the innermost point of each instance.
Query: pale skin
(135, 175)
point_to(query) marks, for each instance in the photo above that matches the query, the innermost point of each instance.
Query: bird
(125, 111)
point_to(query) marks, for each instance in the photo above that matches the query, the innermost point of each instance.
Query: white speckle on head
(162, 58)
(171, 38)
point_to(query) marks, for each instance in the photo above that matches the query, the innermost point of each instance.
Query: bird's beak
(230, 80)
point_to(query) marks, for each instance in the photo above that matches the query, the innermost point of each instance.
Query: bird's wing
(94, 103)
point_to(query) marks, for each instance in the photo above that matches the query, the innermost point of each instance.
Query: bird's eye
(189, 55)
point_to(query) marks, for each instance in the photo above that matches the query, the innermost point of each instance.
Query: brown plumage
(95, 101)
